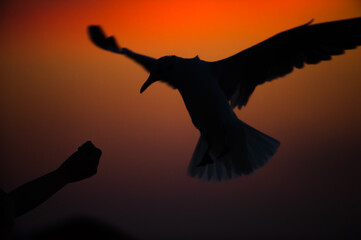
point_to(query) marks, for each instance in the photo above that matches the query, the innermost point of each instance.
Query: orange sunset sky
(57, 90)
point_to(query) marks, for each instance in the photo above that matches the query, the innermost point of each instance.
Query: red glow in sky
(58, 90)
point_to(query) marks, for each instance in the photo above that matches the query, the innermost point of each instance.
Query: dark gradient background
(58, 90)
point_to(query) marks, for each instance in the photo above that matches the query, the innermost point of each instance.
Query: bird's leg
(205, 161)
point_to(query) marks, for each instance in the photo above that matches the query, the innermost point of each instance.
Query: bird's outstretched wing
(277, 56)
(98, 37)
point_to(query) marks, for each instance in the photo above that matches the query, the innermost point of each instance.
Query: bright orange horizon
(58, 90)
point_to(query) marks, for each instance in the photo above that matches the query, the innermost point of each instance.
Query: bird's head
(161, 71)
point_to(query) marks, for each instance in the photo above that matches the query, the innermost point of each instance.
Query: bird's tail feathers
(247, 150)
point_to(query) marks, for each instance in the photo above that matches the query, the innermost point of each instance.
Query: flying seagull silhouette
(227, 147)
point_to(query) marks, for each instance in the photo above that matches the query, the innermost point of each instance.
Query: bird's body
(211, 109)
(229, 148)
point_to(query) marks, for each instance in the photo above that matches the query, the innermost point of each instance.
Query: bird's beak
(151, 79)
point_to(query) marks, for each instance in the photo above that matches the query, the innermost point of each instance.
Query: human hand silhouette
(81, 164)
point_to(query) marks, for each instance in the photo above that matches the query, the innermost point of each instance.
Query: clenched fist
(81, 164)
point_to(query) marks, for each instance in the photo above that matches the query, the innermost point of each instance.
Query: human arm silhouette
(80, 165)
(98, 37)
